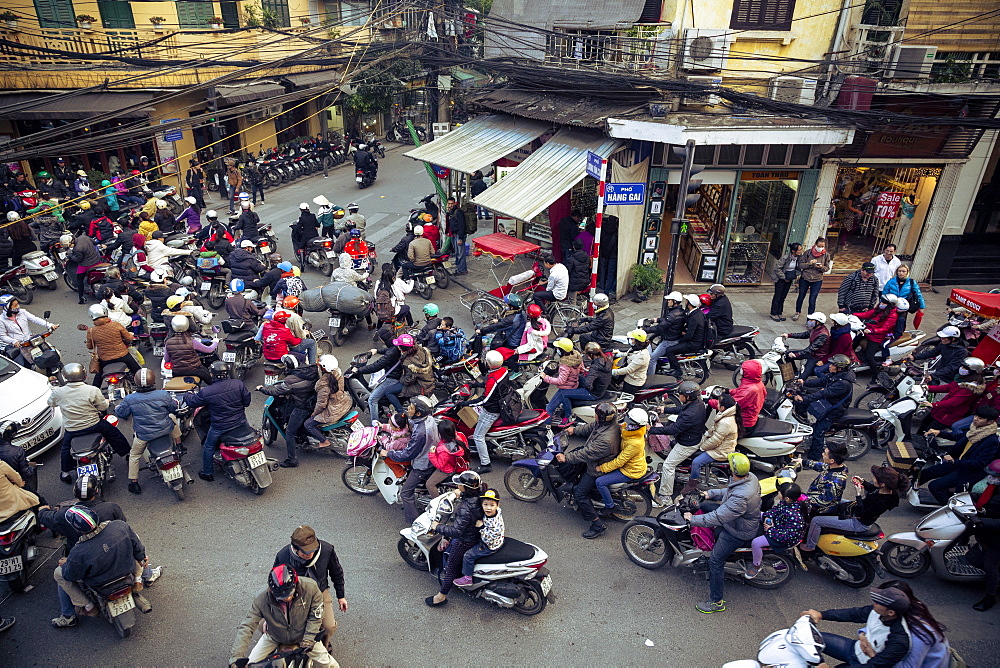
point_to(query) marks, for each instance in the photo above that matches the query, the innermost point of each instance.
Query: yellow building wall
(973, 25)
(178, 108)
(253, 139)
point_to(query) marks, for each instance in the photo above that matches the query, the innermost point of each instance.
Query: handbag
(821, 408)
(914, 304)
(95, 361)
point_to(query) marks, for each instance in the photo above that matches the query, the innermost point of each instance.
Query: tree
(379, 87)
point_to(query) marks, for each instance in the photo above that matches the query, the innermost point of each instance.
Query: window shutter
(280, 9)
(55, 14)
(116, 14)
(230, 15)
(762, 14)
(194, 15)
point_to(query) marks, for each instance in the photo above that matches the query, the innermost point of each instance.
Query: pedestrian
(885, 265)
(234, 179)
(568, 227)
(607, 263)
(194, 178)
(457, 232)
(906, 288)
(254, 179)
(859, 291)
(812, 265)
(784, 274)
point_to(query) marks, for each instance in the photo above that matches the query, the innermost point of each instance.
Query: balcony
(640, 48)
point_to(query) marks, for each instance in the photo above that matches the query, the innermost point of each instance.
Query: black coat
(248, 223)
(327, 567)
(836, 388)
(16, 458)
(694, 328)
(671, 327)
(689, 426)
(721, 314)
(946, 368)
(55, 518)
(226, 401)
(243, 264)
(578, 264)
(602, 324)
(389, 361)
(299, 386)
(463, 523)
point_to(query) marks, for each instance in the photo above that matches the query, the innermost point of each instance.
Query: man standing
(226, 399)
(316, 559)
(604, 442)
(568, 227)
(234, 179)
(457, 231)
(859, 291)
(885, 266)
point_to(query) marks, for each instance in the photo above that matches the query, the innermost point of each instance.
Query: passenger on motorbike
(687, 431)
(593, 383)
(418, 368)
(960, 395)
(818, 349)
(365, 161)
(15, 455)
(163, 218)
(356, 218)
(160, 289)
(880, 323)
(630, 463)
(432, 321)
(419, 252)
(389, 387)
(570, 366)
(488, 405)
(248, 224)
(117, 308)
(289, 285)
(669, 328)
(226, 400)
(952, 353)
(279, 340)
(720, 441)
(87, 492)
(158, 253)
(721, 311)
(101, 229)
(15, 328)
(461, 532)
(635, 364)
(48, 226)
(209, 261)
(449, 456)
(423, 437)
(510, 328)
(693, 339)
(396, 288)
(603, 445)
(305, 229)
(332, 399)
(450, 341)
(238, 306)
(153, 413)
(299, 385)
(15, 497)
(841, 342)
(598, 328)
(965, 460)
(402, 246)
(887, 635)
(345, 273)
(533, 340)
(827, 489)
(829, 401)
(182, 350)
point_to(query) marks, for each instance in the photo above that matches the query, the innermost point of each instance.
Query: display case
(699, 256)
(747, 259)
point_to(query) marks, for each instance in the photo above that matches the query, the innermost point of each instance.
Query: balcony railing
(607, 50)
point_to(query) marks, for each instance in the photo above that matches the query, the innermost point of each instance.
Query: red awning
(985, 304)
(504, 246)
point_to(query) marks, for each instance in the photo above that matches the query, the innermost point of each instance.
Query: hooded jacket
(534, 339)
(423, 437)
(570, 366)
(959, 399)
(631, 461)
(158, 253)
(418, 372)
(739, 511)
(597, 377)
(299, 386)
(579, 267)
(842, 343)
(635, 365)
(108, 552)
(720, 440)
(751, 393)
(952, 356)
(332, 399)
(289, 624)
(604, 444)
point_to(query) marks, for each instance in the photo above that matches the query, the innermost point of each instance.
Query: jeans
(565, 399)
(725, 545)
(962, 426)
(698, 462)
(808, 367)
(127, 359)
(486, 420)
(382, 390)
(818, 441)
(476, 552)
(234, 196)
(458, 247)
(110, 433)
(544, 297)
(307, 348)
(780, 293)
(820, 522)
(813, 289)
(839, 647)
(901, 317)
(408, 494)
(582, 496)
(209, 445)
(313, 428)
(659, 351)
(612, 478)
(296, 418)
(607, 275)
(254, 189)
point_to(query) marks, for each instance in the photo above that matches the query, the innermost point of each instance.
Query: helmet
(563, 344)
(418, 230)
(353, 206)
(818, 317)
(8, 430)
(87, 486)
(902, 305)
(355, 233)
(282, 581)
(705, 299)
(839, 318)
(949, 332)
(290, 302)
(285, 266)
(993, 468)
(82, 173)
(891, 299)
(717, 289)
(159, 275)
(219, 370)
(44, 175)
(13, 216)
(85, 205)
(180, 323)
(739, 464)
(244, 197)
(675, 296)
(237, 285)
(211, 213)
(605, 411)
(66, 240)
(175, 300)
(105, 182)
(638, 334)
(841, 361)
(97, 311)
(246, 243)
(974, 364)
(689, 389)
(514, 301)
(469, 479)
(161, 204)
(145, 378)
(404, 341)
(693, 300)
(362, 147)
(5, 300)
(304, 206)
(290, 361)
(421, 405)
(494, 359)
(431, 310)
(281, 316)
(187, 281)
(74, 373)
(81, 518)
(328, 363)
(593, 348)
(136, 172)
(534, 311)
(637, 416)
(601, 300)
(425, 218)
(251, 294)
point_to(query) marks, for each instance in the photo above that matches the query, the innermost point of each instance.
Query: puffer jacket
(880, 322)
(534, 339)
(183, 357)
(604, 443)
(952, 356)
(150, 412)
(158, 253)
(597, 377)
(226, 401)
(463, 525)
(958, 402)
(332, 399)
(835, 388)
(671, 327)
(242, 264)
(108, 339)
(108, 552)
(601, 324)
(418, 369)
(720, 440)
(286, 624)
(635, 366)
(299, 386)
(751, 393)
(570, 366)
(739, 511)
(908, 290)
(578, 265)
(632, 458)
(276, 339)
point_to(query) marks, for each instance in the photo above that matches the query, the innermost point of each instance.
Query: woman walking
(784, 274)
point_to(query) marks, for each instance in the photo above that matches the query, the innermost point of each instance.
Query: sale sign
(887, 204)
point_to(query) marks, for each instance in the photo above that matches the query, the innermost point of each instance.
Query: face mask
(819, 249)
(882, 306)
(810, 323)
(961, 372)
(15, 311)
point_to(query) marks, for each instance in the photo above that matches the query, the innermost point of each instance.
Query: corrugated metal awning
(248, 92)
(480, 142)
(546, 174)
(36, 106)
(307, 79)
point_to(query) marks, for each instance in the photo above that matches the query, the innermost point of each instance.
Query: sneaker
(463, 581)
(751, 572)
(595, 530)
(796, 316)
(154, 575)
(484, 468)
(661, 501)
(134, 487)
(92, 611)
(708, 607)
(62, 621)
(66, 478)
(6, 623)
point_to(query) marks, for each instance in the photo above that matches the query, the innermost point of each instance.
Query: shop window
(799, 155)
(194, 15)
(55, 13)
(753, 154)
(766, 207)
(276, 12)
(777, 154)
(762, 14)
(729, 154)
(116, 15)
(704, 155)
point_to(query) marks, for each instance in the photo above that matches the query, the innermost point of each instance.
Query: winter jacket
(101, 229)
(819, 343)
(490, 400)
(463, 524)
(180, 352)
(970, 464)
(739, 511)
(778, 272)
(276, 339)
(16, 458)
(578, 266)
(812, 267)
(420, 251)
(601, 325)
(952, 356)
(391, 438)
(423, 436)
(226, 401)
(880, 322)
(332, 399)
(721, 313)
(321, 568)
(751, 393)
(450, 456)
(689, 426)
(287, 624)
(147, 227)
(390, 361)
(243, 264)
(570, 366)
(84, 253)
(248, 224)
(108, 339)
(108, 552)
(81, 404)
(13, 497)
(635, 365)
(510, 329)
(958, 402)
(720, 440)
(836, 388)
(159, 254)
(17, 330)
(895, 644)
(150, 412)
(597, 377)
(534, 339)
(842, 343)
(239, 307)
(694, 328)
(856, 293)
(299, 386)
(632, 458)
(671, 327)
(604, 443)
(418, 372)
(54, 518)
(827, 489)
(788, 524)
(990, 397)
(191, 218)
(908, 290)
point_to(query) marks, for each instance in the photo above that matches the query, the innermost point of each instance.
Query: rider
(557, 286)
(693, 338)
(488, 406)
(305, 229)
(462, 532)
(951, 351)
(365, 161)
(593, 385)
(880, 323)
(603, 445)
(828, 402)
(432, 322)
(419, 253)
(278, 339)
(154, 415)
(248, 224)
(158, 253)
(289, 284)
(630, 464)
(110, 341)
(721, 312)
(15, 328)
(354, 217)
(818, 349)
(668, 328)
(159, 291)
(687, 431)
(237, 304)
(87, 490)
(423, 437)
(635, 364)
(390, 362)
(326, 216)
(598, 328)
(181, 350)
(226, 400)
(290, 611)
(510, 328)
(299, 386)
(827, 489)
(14, 455)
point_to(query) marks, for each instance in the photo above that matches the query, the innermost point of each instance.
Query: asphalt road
(218, 545)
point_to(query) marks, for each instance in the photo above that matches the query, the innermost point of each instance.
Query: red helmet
(282, 581)
(135, 172)
(706, 300)
(291, 301)
(534, 311)
(281, 316)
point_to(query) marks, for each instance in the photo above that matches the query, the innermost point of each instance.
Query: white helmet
(818, 317)
(676, 297)
(190, 200)
(494, 359)
(328, 363)
(13, 216)
(211, 213)
(949, 332)
(161, 204)
(839, 319)
(855, 323)
(353, 206)
(902, 305)
(639, 416)
(362, 147)
(158, 275)
(693, 300)
(97, 311)
(250, 294)
(66, 240)
(186, 281)
(180, 323)
(304, 206)
(418, 230)
(247, 243)
(244, 197)
(892, 299)
(601, 300)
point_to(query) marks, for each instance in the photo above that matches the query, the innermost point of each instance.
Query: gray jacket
(604, 442)
(778, 272)
(81, 404)
(739, 512)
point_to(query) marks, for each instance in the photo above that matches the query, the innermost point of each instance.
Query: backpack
(471, 219)
(452, 345)
(711, 333)
(294, 286)
(384, 308)
(510, 401)
(129, 263)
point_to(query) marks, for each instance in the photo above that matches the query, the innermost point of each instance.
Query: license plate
(546, 585)
(120, 606)
(51, 276)
(331, 253)
(206, 285)
(25, 280)
(358, 179)
(432, 400)
(38, 438)
(172, 473)
(475, 372)
(431, 280)
(158, 351)
(270, 379)
(334, 321)
(257, 459)
(11, 565)
(318, 334)
(115, 393)
(265, 249)
(86, 469)
(228, 357)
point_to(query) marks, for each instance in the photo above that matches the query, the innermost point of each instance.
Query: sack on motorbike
(312, 300)
(703, 537)
(346, 298)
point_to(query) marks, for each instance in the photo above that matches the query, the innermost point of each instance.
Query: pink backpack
(360, 440)
(703, 537)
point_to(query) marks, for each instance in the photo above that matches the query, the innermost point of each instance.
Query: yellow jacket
(147, 227)
(149, 208)
(632, 458)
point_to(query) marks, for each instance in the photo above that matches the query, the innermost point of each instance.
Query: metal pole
(676, 223)
(596, 248)
(180, 172)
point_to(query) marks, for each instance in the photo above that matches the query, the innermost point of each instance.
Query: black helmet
(290, 361)
(689, 389)
(468, 479)
(841, 361)
(605, 411)
(421, 406)
(87, 486)
(219, 370)
(282, 581)
(8, 430)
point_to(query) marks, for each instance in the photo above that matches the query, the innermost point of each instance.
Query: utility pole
(687, 196)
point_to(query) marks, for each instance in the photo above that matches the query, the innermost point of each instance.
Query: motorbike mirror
(46, 315)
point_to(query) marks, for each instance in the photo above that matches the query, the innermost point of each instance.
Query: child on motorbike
(784, 526)
(449, 456)
(491, 534)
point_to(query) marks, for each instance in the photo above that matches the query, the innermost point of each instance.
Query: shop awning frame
(239, 93)
(73, 107)
(546, 175)
(480, 142)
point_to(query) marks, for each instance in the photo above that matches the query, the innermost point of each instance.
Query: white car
(24, 396)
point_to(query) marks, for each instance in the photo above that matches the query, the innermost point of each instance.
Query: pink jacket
(880, 329)
(533, 341)
(569, 372)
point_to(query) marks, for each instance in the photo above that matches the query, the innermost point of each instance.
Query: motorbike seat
(115, 367)
(84, 443)
(872, 533)
(242, 435)
(656, 381)
(773, 398)
(231, 325)
(856, 416)
(114, 586)
(526, 414)
(903, 339)
(511, 551)
(768, 427)
(161, 444)
(649, 477)
(737, 333)
(239, 336)
(181, 384)
(8, 523)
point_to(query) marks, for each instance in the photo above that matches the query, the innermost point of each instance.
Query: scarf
(985, 497)
(815, 254)
(976, 434)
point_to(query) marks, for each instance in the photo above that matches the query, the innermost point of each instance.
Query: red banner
(887, 204)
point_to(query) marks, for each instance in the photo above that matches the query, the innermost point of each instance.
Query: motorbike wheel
(775, 571)
(338, 337)
(858, 442)
(358, 479)
(272, 179)
(644, 545)
(338, 444)
(20, 293)
(694, 370)
(360, 396)
(326, 268)
(873, 399)
(69, 281)
(213, 183)
(861, 572)
(534, 445)
(904, 561)
(254, 487)
(532, 601)
(635, 502)
(523, 485)
(442, 277)
(424, 290)
(216, 296)
(411, 554)
(484, 310)
(268, 432)
(741, 353)
(179, 491)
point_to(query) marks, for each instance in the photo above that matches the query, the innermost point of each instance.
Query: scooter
(857, 428)
(241, 456)
(341, 325)
(370, 474)
(45, 359)
(531, 479)
(424, 281)
(777, 366)
(799, 646)
(117, 381)
(317, 254)
(274, 420)
(163, 457)
(512, 577)
(158, 337)
(92, 455)
(905, 345)
(16, 282)
(533, 393)
(364, 177)
(526, 437)
(41, 269)
(117, 603)
(242, 349)
(17, 548)
(732, 351)
(212, 286)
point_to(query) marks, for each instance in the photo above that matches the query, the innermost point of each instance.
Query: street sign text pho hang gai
(624, 193)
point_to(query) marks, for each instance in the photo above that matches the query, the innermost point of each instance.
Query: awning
(480, 142)
(36, 106)
(985, 304)
(308, 79)
(504, 246)
(546, 174)
(247, 92)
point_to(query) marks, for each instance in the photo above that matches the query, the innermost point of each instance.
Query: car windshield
(7, 368)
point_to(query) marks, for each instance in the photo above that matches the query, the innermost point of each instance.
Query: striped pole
(595, 250)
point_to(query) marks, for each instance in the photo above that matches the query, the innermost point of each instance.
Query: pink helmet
(404, 341)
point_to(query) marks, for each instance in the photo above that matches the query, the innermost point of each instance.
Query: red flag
(916, 320)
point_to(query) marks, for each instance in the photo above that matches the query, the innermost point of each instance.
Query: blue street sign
(624, 193)
(175, 134)
(593, 164)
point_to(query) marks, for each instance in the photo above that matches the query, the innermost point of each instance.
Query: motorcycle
(374, 145)
(273, 372)
(737, 348)
(16, 282)
(92, 455)
(17, 548)
(512, 577)
(44, 358)
(117, 603)
(526, 437)
(430, 206)
(157, 336)
(533, 393)
(800, 646)
(93, 279)
(905, 345)
(212, 286)
(360, 388)
(369, 473)
(777, 366)
(341, 325)
(275, 419)
(41, 269)
(364, 177)
(424, 280)
(117, 381)
(400, 132)
(859, 429)
(531, 479)
(241, 456)
(317, 254)
(242, 349)
(163, 456)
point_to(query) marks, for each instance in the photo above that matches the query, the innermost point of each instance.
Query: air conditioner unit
(706, 48)
(911, 62)
(712, 83)
(265, 112)
(797, 90)
(257, 115)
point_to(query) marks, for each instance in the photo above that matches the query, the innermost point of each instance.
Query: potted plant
(305, 20)
(85, 21)
(157, 21)
(646, 278)
(216, 22)
(9, 18)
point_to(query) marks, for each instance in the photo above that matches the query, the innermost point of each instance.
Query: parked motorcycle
(800, 646)
(275, 419)
(92, 454)
(17, 548)
(16, 282)
(939, 541)
(41, 269)
(163, 457)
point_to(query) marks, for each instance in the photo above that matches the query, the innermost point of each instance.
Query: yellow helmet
(638, 334)
(174, 300)
(563, 344)
(338, 213)
(427, 218)
(739, 464)
(84, 205)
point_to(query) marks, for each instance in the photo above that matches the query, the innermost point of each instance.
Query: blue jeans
(698, 462)
(820, 522)
(486, 420)
(725, 545)
(477, 552)
(607, 274)
(839, 647)
(388, 388)
(962, 426)
(818, 442)
(209, 445)
(659, 351)
(458, 248)
(813, 289)
(313, 428)
(296, 418)
(612, 478)
(565, 398)
(307, 348)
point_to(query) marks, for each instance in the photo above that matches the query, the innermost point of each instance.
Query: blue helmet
(285, 266)
(236, 285)
(355, 233)
(81, 518)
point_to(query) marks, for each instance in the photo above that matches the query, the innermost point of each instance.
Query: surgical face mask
(961, 372)
(882, 306)
(819, 249)
(14, 311)
(811, 323)
(993, 480)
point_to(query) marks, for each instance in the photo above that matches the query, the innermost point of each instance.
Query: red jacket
(751, 393)
(958, 403)
(990, 397)
(277, 338)
(842, 343)
(880, 328)
(431, 232)
(446, 461)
